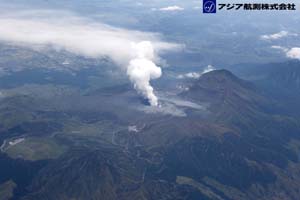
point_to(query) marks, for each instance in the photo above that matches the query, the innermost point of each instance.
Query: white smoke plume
(142, 69)
(136, 52)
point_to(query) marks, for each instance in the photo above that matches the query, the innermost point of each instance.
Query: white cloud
(78, 36)
(279, 48)
(196, 75)
(277, 36)
(209, 68)
(133, 128)
(293, 53)
(172, 8)
(61, 30)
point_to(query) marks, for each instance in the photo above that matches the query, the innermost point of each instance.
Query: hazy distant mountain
(280, 80)
(282, 76)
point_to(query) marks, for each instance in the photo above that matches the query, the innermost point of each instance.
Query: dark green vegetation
(82, 136)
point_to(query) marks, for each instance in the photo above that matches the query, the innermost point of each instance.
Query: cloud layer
(135, 51)
(275, 36)
(196, 75)
(172, 8)
(278, 35)
(293, 53)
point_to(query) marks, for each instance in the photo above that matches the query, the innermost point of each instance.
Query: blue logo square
(209, 6)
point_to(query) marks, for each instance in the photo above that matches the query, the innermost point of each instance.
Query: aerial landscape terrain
(148, 100)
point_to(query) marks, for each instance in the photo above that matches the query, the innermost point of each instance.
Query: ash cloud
(135, 52)
(173, 106)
